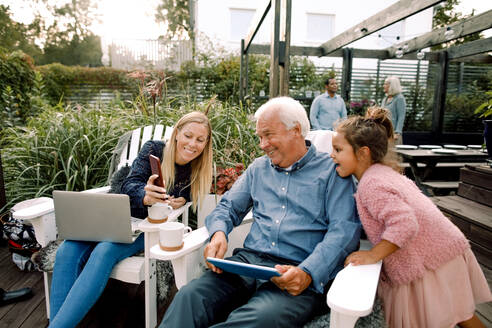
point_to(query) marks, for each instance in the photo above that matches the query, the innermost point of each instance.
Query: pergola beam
(256, 23)
(470, 48)
(316, 51)
(394, 13)
(461, 28)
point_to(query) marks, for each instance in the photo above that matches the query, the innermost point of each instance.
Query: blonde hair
(374, 131)
(201, 167)
(394, 85)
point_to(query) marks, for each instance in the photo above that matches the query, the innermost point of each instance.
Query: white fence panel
(149, 54)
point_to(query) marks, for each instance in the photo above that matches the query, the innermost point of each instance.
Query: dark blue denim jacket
(140, 172)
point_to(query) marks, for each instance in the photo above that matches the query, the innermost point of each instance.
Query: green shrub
(64, 148)
(69, 148)
(16, 83)
(59, 79)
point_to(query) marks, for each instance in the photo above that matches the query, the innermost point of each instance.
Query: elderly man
(305, 224)
(327, 108)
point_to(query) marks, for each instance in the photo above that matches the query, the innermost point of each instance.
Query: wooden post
(440, 96)
(417, 87)
(347, 73)
(460, 77)
(378, 70)
(241, 73)
(274, 50)
(285, 23)
(3, 198)
(246, 77)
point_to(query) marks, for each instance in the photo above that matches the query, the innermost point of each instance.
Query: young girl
(430, 277)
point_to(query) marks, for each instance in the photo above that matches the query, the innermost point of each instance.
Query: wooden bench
(471, 210)
(439, 188)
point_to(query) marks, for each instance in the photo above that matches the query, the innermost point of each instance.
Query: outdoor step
(441, 184)
(474, 220)
(440, 188)
(477, 194)
(476, 176)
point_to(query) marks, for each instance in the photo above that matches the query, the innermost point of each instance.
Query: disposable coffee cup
(171, 235)
(159, 212)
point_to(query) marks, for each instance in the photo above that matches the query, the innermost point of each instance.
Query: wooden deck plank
(477, 178)
(12, 319)
(466, 209)
(477, 194)
(484, 311)
(37, 318)
(10, 314)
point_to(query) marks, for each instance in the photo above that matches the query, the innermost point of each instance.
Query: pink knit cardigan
(391, 207)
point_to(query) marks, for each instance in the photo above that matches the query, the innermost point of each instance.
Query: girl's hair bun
(381, 116)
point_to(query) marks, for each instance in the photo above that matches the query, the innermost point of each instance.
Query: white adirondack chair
(134, 269)
(351, 295)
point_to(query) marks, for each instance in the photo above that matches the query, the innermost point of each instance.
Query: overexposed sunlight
(128, 19)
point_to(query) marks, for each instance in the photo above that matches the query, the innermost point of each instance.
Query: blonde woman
(395, 103)
(82, 269)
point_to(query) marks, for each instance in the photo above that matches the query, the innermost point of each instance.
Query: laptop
(94, 217)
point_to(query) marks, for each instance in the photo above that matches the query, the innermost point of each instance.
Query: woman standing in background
(395, 103)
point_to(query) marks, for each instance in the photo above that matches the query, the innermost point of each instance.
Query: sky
(134, 19)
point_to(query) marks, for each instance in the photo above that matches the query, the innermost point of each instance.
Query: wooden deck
(121, 305)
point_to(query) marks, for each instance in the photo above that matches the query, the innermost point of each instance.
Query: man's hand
(216, 248)
(294, 280)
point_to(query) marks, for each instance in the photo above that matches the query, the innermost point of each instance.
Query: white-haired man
(305, 224)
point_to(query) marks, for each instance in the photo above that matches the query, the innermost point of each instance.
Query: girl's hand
(176, 202)
(378, 252)
(361, 257)
(154, 194)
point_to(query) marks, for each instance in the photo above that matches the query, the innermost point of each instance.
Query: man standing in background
(327, 108)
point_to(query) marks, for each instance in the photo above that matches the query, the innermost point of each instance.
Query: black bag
(20, 238)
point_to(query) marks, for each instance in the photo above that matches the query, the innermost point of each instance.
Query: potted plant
(485, 110)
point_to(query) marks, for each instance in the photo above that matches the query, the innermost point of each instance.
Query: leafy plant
(485, 109)
(16, 83)
(225, 178)
(64, 148)
(360, 107)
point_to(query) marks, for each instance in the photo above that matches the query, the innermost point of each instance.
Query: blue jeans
(230, 300)
(81, 272)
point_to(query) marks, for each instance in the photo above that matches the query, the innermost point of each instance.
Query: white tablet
(245, 269)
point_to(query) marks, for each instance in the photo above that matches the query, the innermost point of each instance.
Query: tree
(16, 36)
(445, 15)
(177, 15)
(67, 39)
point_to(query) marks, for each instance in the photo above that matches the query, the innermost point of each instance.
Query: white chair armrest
(100, 190)
(193, 241)
(35, 211)
(353, 290)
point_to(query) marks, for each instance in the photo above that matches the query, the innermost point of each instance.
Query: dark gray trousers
(230, 300)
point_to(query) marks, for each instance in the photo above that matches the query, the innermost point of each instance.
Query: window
(240, 22)
(320, 27)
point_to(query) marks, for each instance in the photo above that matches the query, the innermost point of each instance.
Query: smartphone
(155, 165)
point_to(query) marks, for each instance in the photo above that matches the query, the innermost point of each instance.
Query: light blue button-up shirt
(326, 110)
(306, 214)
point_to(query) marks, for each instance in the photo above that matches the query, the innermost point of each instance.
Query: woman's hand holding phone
(154, 194)
(155, 190)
